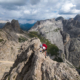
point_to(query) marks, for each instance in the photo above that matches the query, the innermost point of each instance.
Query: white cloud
(67, 7)
(34, 11)
(29, 10)
(1, 21)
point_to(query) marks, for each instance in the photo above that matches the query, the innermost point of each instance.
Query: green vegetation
(0, 29)
(58, 59)
(11, 48)
(13, 77)
(1, 40)
(56, 30)
(22, 39)
(52, 49)
(78, 67)
(8, 77)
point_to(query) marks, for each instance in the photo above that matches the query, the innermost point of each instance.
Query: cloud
(68, 8)
(14, 2)
(33, 2)
(29, 10)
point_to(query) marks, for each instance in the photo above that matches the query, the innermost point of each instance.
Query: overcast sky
(29, 11)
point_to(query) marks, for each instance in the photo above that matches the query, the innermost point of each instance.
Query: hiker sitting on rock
(44, 48)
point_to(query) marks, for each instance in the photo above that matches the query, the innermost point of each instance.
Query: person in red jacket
(44, 48)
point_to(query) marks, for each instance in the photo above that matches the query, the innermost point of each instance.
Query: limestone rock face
(50, 29)
(63, 33)
(66, 37)
(9, 45)
(77, 17)
(72, 51)
(59, 18)
(31, 64)
(72, 48)
(13, 26)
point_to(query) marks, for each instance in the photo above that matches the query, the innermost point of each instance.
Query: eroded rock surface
(10, 37)
(50, 29)
(31, 64)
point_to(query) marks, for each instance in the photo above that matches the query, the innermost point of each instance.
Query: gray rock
(31, 64)
(67, 38)
(72, 51)
(77, 17)
(59, 18)
(50, 29)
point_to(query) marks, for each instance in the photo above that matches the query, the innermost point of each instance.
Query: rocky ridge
(64, 34)
(31, 64)
(10, 42)
(50, 29)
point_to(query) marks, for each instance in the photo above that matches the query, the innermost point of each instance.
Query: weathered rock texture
(9, 44)
(77, 17)
(31, 64)
(63, 33)
(50, 29)
(72, 47)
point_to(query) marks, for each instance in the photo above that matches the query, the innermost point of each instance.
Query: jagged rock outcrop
(31, 64)
(77, 17)
(50, 29)
(72, 28)
(13, 26)
(66, 37)
(60, 18)
(72, 51)
(10, 42)
(72, 47)
(63, 33)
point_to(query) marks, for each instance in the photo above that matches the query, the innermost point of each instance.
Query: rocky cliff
(63, 33)
(50, 29)
(77, 17)
(72, 47)
(31, 64)
(11, 38)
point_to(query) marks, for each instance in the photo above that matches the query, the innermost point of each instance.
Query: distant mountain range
(26, 26)
(65, 34)
(1, 25)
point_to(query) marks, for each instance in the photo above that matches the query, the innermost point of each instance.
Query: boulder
(31, 64)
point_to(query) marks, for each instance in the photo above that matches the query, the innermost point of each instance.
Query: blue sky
(29, 11)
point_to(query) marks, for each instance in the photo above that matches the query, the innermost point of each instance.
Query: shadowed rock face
(50, 29)
(31, 64)
(9, 45)
(67, 38)
(59, 18)
(72, 28)
(77, 17)
(13, 26)
(72, 47)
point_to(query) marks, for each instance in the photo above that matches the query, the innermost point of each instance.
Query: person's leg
(45, 54)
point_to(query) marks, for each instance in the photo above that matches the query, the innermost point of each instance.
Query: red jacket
(44, 45)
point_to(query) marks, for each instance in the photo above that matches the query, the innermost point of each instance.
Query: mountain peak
(77, 17)
(13, 26)
(59, 18)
